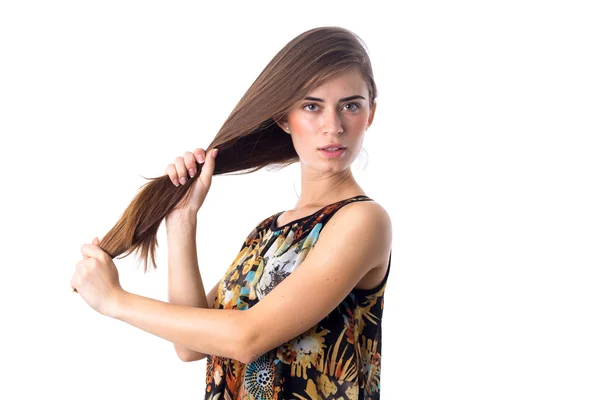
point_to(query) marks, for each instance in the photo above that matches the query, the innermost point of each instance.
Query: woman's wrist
(181, 217)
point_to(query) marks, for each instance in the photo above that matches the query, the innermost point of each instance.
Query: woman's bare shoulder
(374, 223)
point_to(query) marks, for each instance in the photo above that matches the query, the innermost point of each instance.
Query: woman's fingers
(200, 155)
(172, 172)
(181, 170)
(189, 160)
(183, 166)
(208, 168)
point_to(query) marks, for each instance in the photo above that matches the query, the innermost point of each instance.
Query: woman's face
(336, 113)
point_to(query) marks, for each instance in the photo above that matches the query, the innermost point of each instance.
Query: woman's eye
(313, 107)
(310, 105)
(355, 107)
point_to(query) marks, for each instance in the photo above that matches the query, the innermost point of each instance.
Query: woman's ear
(372, 115)
(284, 124)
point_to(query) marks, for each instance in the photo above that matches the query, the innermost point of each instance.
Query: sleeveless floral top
(338, 358)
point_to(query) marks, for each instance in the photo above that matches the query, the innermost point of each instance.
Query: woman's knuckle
(190, 160)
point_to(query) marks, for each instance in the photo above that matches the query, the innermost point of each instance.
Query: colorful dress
(338, 358)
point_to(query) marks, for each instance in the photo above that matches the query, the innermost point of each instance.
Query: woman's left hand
(96, 278)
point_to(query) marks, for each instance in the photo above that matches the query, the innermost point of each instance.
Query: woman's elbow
(248, 350)
(190, 355)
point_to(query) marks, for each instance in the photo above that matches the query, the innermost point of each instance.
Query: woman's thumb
(208, 168)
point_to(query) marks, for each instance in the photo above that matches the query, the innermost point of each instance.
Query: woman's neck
(321, 191)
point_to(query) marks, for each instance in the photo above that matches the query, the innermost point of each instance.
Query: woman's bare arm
(185, 282)
(356, 240)
(186, 354)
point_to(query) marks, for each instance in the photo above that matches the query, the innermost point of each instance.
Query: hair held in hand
(249, 139)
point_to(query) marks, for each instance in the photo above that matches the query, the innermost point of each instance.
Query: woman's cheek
(305, 126)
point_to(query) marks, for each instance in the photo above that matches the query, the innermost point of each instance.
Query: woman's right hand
(183, 169)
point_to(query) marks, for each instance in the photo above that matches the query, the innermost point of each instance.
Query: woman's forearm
(185, 282)
(206, 331)
(185, 286)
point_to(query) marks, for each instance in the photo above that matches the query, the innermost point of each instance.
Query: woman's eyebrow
(341, 100)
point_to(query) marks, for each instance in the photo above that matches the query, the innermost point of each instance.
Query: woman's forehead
(345, 81)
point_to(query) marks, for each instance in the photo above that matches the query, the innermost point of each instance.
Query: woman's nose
(332, 123)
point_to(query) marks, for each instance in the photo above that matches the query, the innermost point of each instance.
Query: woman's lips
(332, 154)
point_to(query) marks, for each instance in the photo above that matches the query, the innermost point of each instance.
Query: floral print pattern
(338, 358)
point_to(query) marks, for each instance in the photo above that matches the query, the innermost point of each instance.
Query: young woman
(298, 313)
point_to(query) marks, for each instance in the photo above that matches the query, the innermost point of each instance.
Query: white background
(484, 151)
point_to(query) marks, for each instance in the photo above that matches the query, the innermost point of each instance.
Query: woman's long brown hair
(249, 139)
